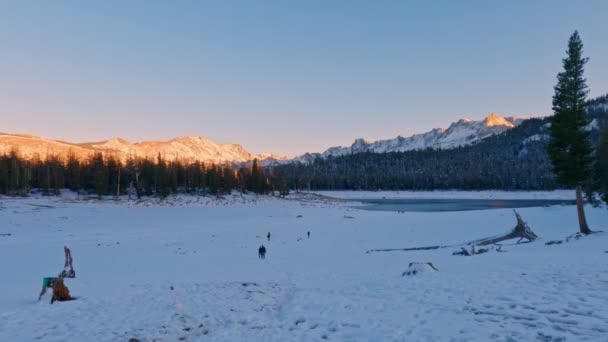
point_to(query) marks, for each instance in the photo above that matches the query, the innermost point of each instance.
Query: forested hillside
(514, 160)
(506, 161)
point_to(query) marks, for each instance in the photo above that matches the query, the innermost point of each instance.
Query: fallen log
(521, 231)
(462, 251)
(407, 249)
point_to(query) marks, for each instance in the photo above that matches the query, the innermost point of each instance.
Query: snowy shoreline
(343, 196)
(449, 194)
(186, 268)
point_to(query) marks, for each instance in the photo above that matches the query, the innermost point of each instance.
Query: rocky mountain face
(460, 133)
(195, 148)
(190, 148)
(500, 161)
(495, 153)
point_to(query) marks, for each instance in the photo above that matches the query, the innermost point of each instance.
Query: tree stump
(419, 267)
(68, 269)
(521, 231)
(60, 292)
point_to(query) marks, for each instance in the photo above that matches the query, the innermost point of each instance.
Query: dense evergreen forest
(105, 175)
(514, 160)
(498, 162)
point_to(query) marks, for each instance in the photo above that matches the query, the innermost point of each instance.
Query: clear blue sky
(283, 76)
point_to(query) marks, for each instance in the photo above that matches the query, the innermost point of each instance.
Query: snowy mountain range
(189, 148)
(195, 148)
(460, 133)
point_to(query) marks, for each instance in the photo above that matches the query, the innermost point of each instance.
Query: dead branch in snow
(68, 269)
(521, 231)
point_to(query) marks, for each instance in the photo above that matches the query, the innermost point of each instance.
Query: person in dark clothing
(262, 252)
(308, 234)
(268, 236)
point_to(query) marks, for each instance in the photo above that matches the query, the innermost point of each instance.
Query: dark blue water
(442, 205)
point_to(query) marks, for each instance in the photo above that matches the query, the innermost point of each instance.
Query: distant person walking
(268, 236)
(308, 234)
(262, 252)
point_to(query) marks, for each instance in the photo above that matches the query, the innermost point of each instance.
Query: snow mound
(419, 268)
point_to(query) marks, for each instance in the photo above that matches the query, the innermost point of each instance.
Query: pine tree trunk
(118, 185)
(582, 221)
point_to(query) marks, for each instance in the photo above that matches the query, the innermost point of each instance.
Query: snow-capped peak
(114, 143)
(494, 119)
(190, 148)
(459, 133)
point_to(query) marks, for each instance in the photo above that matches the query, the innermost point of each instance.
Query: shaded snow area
(454, 194)
(188, 269)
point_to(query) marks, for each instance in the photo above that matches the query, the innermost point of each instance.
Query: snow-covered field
(187, 269)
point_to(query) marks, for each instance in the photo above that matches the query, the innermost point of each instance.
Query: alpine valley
(196, 148)
(494, 153)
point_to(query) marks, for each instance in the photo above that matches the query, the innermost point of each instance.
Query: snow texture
(187, 269)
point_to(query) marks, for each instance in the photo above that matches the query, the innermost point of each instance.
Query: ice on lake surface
(441, 205)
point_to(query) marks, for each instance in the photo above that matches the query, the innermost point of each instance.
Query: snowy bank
(176, 271)
(452, 194)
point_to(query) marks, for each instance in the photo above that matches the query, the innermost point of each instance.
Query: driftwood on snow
(417, 267)
(521, 231)
(407, 249)
(68, 269)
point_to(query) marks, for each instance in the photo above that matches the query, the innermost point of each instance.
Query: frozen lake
(442, 205)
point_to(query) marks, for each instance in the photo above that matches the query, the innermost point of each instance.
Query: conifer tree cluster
(498, 162)
(601, 164)
(106, 175)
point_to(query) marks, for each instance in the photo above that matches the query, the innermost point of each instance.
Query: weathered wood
(428, 263)
(521, 231)
(580, 209)
(68, 269)
(406, 249)
(414, 270)
(60, 292)
(463, 251)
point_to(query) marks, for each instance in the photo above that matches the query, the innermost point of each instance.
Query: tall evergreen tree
(73, 180)
(15, 172)
(258, 179)
(162, 178)
(98, 174)
(569, 147)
